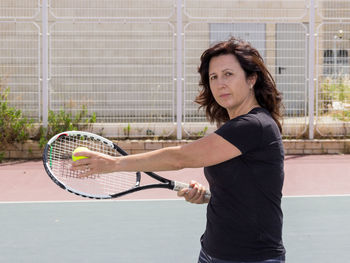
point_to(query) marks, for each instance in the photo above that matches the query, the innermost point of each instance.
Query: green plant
(334, 95)
(14, 127)
(2, 156)
(150, 132)
(127, 130)
(202, 132)
(343, 115)
(65, 121)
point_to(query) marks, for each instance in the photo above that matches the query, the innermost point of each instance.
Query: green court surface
(316, 229)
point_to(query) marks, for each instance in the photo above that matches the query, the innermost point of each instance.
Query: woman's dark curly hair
(252, 63)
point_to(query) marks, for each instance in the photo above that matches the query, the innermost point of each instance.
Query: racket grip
(179, 185)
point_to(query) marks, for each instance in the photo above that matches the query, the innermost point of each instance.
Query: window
(335, 62)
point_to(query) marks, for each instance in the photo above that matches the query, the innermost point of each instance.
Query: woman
(243, 159)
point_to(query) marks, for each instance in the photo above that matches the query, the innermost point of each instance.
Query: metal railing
(134, 63)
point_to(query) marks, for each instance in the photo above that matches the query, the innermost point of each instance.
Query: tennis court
(134, 64)
(42, 223)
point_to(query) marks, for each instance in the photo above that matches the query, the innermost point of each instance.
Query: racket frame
(165, 183)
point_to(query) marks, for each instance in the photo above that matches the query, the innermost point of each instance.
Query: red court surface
(22, 181)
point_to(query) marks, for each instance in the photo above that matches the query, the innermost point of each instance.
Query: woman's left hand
(95, 163)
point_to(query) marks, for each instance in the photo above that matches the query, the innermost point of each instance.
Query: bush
(13, 126)
(334, 97)
(65, 121)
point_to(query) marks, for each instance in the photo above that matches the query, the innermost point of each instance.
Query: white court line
(87, 201)
(313, 196)
(146, 200)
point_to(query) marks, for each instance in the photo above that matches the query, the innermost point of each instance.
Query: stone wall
(31, 149)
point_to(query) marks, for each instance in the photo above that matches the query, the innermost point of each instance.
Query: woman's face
(228, 83)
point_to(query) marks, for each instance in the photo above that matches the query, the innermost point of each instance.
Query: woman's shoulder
(245, 125)
(267, 123)
(248, 120)
(246, 131)
(263, 116)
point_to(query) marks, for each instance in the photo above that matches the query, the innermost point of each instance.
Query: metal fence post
(45, 64)
(179, 68)
(311, 68)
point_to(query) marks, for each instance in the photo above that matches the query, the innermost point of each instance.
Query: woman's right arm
(207, 151)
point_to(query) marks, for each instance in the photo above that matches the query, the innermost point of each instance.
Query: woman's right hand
(195, 194)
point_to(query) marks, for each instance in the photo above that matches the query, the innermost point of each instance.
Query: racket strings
(60, 162)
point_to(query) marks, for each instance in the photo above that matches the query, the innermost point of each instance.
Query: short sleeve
(244, 132)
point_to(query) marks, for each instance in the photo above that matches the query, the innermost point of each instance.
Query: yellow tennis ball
(79, 149)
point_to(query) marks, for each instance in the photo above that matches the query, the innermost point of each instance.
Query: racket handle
(179, 185)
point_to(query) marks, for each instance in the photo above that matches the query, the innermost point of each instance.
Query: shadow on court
(316, 230)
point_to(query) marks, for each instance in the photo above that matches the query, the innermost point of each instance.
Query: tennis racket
(57, 159)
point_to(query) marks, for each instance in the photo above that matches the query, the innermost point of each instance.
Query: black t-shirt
(244, 216)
